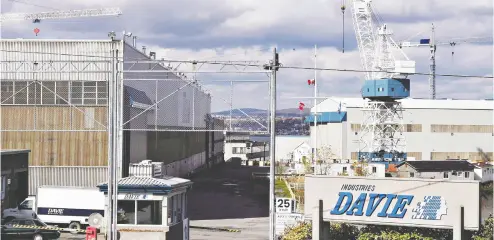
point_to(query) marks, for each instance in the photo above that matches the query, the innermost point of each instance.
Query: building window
(54, 92)
(412, 174)
(445, 175)
(139, 212)
(344, 169)
(126, 212)
(467, 175)
(392, 89)
(170, 207)
(374, 169)
(239, 150)
(149, 212)
(177, 208)
(460, 174)
(4, 184)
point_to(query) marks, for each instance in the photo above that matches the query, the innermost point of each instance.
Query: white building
(301, 151)
(434, 129)
(345, 167)
(483, 172)
(286, 146)
(239, 145)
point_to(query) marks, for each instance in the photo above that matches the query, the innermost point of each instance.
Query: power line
(233, 63)
(365, 71)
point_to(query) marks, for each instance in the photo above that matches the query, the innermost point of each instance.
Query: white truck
(60, 206)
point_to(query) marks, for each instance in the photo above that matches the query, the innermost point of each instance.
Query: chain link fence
(162, 98)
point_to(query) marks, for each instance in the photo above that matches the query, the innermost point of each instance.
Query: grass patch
(281, 189)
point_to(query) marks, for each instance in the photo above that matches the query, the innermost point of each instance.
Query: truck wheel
(37, 237)
(75, 225)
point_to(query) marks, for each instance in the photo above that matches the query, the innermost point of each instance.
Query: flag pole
(315, 106)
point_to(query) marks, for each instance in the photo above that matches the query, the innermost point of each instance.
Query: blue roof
(327, 117)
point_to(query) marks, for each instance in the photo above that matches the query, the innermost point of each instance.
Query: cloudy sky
(246, 30)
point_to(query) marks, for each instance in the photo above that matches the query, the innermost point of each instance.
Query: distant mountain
(289, 112)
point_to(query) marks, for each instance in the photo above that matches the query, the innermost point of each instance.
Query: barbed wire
(238, 63)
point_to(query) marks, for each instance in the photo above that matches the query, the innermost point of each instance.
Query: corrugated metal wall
(65, 176)
(49, 53)
(175, 108)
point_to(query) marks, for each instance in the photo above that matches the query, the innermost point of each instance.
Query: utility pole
(432, 67)
(273, 66)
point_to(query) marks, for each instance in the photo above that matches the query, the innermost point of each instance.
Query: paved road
(226, 197)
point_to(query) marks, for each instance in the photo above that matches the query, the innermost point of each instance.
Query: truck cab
(25, 210)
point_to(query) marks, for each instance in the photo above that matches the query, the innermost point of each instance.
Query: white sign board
(135, 196)
(284, 205)
(394, 201)
(284, 220)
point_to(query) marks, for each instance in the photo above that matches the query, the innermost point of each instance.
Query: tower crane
(432, 44)
(36, 17)
(386, 81)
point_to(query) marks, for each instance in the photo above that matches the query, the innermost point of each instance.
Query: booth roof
(165, 184)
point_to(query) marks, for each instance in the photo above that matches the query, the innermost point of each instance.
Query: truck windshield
(27, 204)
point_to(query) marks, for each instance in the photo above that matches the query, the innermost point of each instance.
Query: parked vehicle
(60, 206)
(9, 231)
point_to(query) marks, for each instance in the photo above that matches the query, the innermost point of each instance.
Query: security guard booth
(151, 208)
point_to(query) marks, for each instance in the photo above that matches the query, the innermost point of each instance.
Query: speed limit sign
(284, 205)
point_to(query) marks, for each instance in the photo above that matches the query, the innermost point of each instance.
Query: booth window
(149, 212)
(177, 208)
(139, 212)
(126, 212)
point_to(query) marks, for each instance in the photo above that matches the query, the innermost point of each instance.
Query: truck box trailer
(61, 205)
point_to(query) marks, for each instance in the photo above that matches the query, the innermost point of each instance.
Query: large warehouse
(434, 129)
(54, 103)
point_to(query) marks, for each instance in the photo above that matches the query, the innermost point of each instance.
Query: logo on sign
(385, 205)
(55, 211)
(432, 208)
(131, 196)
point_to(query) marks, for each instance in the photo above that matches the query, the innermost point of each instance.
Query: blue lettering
(383, 212)
(401, 202)
(373, 206)
(346, 205)
(336, 209)
(358, 205)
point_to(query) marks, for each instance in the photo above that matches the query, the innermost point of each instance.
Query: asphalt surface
(226, 197)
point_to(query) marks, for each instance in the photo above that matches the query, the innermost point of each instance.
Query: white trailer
(61, 205)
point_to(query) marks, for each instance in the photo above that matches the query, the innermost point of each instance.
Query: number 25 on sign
(284, 205)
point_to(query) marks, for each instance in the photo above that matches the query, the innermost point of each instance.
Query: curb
(216, 229)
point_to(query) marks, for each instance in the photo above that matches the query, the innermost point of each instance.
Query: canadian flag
(301, 106)
(311, 82)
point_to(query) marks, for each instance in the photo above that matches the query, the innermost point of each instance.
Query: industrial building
(54, 102)
(434, 129)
